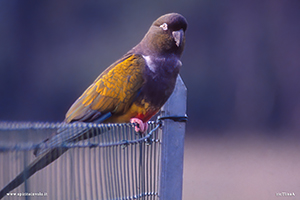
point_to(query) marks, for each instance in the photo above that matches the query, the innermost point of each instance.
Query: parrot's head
(166, 35)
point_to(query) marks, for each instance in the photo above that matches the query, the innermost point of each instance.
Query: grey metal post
(173, 144)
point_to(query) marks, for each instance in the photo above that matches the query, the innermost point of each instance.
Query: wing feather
(113, 91)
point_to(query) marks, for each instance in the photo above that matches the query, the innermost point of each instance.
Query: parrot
(131, 90)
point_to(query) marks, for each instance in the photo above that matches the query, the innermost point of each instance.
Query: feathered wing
(112, 92)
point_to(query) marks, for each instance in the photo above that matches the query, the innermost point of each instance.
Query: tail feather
(65, 134)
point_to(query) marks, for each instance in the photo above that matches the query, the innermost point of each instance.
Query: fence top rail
(8, 126)
(97, 128)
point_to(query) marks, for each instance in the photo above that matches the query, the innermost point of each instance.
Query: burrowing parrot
(132, 89)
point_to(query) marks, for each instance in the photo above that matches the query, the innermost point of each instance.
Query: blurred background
(241, 66)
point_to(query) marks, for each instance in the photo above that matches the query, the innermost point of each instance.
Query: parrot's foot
(140, 126)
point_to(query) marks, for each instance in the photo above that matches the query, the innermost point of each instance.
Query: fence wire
(112, 162)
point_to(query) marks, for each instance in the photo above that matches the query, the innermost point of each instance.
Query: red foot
(140, 125)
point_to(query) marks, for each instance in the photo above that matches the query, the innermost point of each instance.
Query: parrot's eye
(164, 26)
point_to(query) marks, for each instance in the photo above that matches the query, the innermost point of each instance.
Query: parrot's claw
(140, 126)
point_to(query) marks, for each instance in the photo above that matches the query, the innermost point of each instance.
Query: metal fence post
(173, 144)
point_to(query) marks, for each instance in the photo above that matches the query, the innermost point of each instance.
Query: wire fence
(115, 163)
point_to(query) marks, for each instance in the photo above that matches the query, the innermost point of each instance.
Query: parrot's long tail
(51, 149)
(39, 163)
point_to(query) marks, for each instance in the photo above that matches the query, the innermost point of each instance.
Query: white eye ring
(164, 26)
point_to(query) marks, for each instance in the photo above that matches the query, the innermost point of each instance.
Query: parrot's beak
(178, 37)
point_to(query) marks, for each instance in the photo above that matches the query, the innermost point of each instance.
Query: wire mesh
(112, 162)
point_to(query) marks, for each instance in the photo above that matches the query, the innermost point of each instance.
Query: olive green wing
(111, 93)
